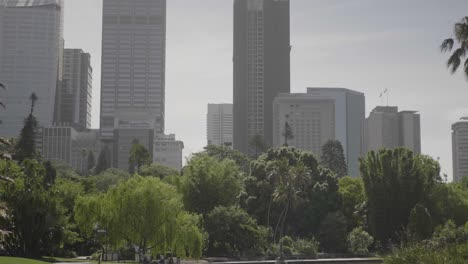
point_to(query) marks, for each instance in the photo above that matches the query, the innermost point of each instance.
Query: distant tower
(261, 67)
(31, 45)
(219, 124)
(460, 149)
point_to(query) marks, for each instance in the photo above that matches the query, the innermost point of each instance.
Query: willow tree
(144, 212)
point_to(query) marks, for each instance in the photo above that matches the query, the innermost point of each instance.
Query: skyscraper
(73, 102)
(460, 149)
(350, 111)
(31, 45)
(312, 121)
(261, 67)
(219, 124)
(133, 64)
(386, 127)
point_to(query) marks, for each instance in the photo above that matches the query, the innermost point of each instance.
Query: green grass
(11, 260)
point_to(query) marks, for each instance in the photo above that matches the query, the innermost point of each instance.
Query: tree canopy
(333, 158)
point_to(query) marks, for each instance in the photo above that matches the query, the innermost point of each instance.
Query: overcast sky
(364, 45)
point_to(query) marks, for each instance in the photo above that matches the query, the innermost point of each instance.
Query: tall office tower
(133, 64)
(311, 120)
(125, 137)
(386, 127)
(261, 67)
(460, 149)
(219, 124)
(73, 103)
(30, 48)
(350, 111)
(168, 151)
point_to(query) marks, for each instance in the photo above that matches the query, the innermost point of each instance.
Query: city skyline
(320, 57)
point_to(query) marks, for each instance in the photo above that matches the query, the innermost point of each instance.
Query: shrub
(359, 241)
(306, 248)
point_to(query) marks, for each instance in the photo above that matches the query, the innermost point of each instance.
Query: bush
(359, 241)
(419, 254)
(306, 248)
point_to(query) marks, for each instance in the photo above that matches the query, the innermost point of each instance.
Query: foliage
(333, 158)
(306, 248)
(232, 232)
(223, 152)
(162, 223)
(418, 254)
(419, 224)
(332, 233)
(108, 178)
(460, 31)
(91, 163)
(395, 181)
(449, 202)
(26, 146)
(139, 156)
(258, 143)
(353, 198)
(157, 170)
(207, 183)
(103, 162)
(359, 241)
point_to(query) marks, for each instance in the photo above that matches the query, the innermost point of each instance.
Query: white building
(312, 121)
(133, 64)
(219, 124)
(168, 151)
(30, 60)
(386, 127)
(349, 121)
(460, 149)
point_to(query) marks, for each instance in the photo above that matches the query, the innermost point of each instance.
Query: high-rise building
(386, 127)
(31, 46)
(133, 64)
(312, 121)
(460, 149)
(168, 151)
(73, 102)
(219, 124)
(350, 111)
(261, 67)
(125, 137)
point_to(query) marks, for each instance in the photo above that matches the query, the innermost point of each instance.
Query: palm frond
(461, 30)
(454, 61)
(447, 45)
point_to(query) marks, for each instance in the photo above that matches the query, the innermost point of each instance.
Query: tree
(223, 152)
(353, 198)
(287, 133)
(460, 33)
(109, 178)
(333, 158)
(142, 211)
(139, 156)
(332, 233)
(359, 241)
(232, 232)
(103, 162)
(257, 142)
(26, 147)
(91, 161)
(419, 224)
(394, 182)
(207, 183)
(157, 170)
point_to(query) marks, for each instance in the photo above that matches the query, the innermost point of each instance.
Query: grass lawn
(10, 260)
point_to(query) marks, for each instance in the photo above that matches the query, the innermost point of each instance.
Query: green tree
(91, 161)
(223, 152)
(142, 211)
(359, 241)
(460, 32)
(109, 178)
(333, 158)
(103, 162)
(258, 143)
(207, 183)
(395, 181)
(287, 133)
(353, 198)
(26, 147)
(332, 233)
(157, 170)
(420, 225)
(232, 232)
(139, 156)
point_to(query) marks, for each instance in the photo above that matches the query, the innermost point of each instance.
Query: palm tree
(460, 33)
(33, 99)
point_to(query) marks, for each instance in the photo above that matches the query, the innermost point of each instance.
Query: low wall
(312, 261)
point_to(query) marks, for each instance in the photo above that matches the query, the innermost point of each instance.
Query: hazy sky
(364, 45)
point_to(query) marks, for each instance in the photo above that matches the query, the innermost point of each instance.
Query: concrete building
(219, 125)
(386, 127)
(261, 67)
(73, 102)
(31, 43)
(133, 65)
(349, 121)
(168, 151)
(312, 121)
(460, 149)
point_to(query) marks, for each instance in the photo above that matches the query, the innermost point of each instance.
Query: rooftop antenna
(386, 92)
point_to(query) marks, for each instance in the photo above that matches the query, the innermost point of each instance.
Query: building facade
(168, 151)
(350, 111)
(312, 121)
(31, 43)
(73, 102)
(219, 125)
(133, 64)
(261, 67)
(125, 137)
(460, 149)
(389, 128)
